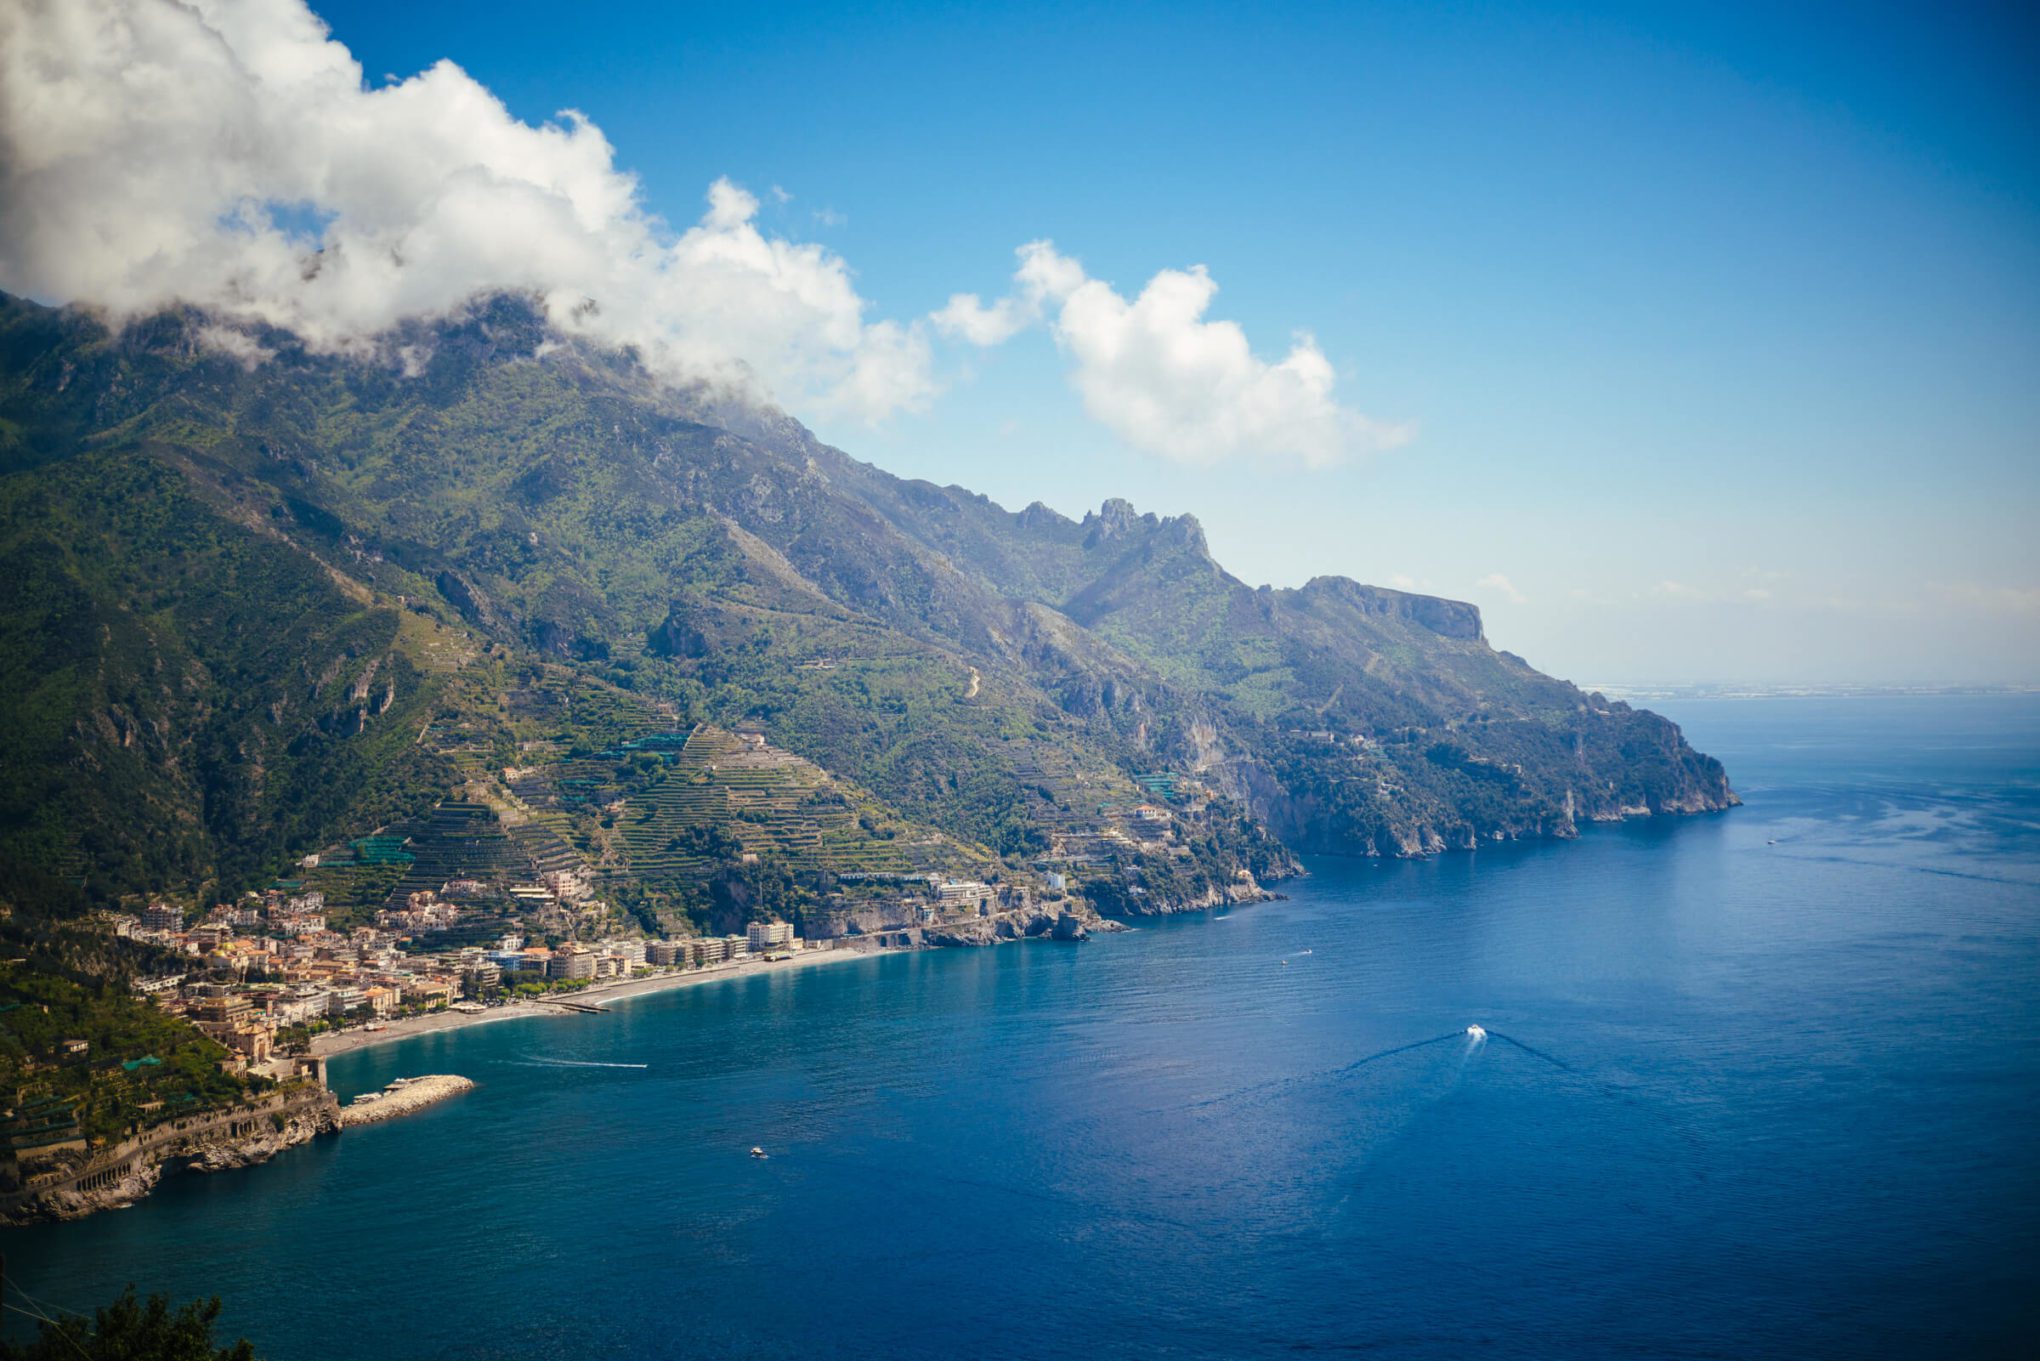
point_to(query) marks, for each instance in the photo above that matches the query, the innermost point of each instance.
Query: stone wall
(210, 1141)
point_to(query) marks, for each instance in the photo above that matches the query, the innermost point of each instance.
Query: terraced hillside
(776, 805)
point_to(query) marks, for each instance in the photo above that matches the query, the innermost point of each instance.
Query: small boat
(1475, 1032)
(758, 1152)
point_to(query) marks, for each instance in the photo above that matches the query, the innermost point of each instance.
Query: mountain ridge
(490, 504)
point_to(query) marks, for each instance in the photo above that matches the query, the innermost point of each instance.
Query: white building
(763, 936)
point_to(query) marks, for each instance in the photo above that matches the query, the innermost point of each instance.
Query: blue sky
(1717, 328)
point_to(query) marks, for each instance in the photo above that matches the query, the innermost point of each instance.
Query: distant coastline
(1658, 691)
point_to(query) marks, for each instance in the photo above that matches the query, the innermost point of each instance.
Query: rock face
(214, 1141)
(1071, 921)
(1446, 618)
(299, 1127)
(1240, 893)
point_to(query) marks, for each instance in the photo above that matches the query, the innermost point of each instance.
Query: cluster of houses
(267, 963)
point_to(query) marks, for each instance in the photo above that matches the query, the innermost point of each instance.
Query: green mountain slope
(254, 611)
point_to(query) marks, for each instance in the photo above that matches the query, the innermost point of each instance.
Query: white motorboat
(1475, 1032)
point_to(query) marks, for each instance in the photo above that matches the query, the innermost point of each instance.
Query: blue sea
(1759, 1084)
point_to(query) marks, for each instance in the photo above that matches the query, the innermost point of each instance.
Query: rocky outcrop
(1446, 618)
(1244, 891)
(212, 1141)
(1070, 922)
(268, 1139)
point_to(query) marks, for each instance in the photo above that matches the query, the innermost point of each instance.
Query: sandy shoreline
(600, 994)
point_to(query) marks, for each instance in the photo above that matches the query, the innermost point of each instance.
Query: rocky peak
(1039, 515)
(1185, 531)
(1115, 519)
(1118, 521)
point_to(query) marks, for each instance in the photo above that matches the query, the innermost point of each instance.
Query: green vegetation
(132, 1329)
(469, 615)
(106, 1090)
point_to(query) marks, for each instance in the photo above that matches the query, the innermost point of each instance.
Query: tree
(131, 1330)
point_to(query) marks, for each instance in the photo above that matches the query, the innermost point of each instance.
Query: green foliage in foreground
(131, 1329)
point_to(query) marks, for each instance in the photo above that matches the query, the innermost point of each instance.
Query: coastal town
(272, 980)
(278, 985)
(666, 859)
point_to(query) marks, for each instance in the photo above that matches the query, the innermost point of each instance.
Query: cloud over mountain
(1163, 378)
(228, 153)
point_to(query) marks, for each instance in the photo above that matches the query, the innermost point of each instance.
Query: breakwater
(401, 1097)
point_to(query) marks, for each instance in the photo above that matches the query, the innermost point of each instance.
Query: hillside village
(491, 902)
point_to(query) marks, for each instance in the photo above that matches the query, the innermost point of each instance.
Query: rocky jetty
(405, 1095)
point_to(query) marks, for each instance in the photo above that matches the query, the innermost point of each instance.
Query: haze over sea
(1758, 1084)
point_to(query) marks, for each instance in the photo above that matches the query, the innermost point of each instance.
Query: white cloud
(1501, 585)
(227, 153)
(968, 318)
(251, 352)
(1164, 379)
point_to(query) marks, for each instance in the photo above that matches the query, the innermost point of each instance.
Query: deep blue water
(1740, 1098)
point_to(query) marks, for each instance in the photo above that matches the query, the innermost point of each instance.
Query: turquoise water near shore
(1758, 1084)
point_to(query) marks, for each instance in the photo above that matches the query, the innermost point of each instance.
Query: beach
(359, 1037)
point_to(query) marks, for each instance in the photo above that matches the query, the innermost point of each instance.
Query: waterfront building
(957, 895)
(427, 992)
(572, 962)
(709, 950)
(764, 936)
(482, 979)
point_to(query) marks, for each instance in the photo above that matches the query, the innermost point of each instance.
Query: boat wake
(536, 1062)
